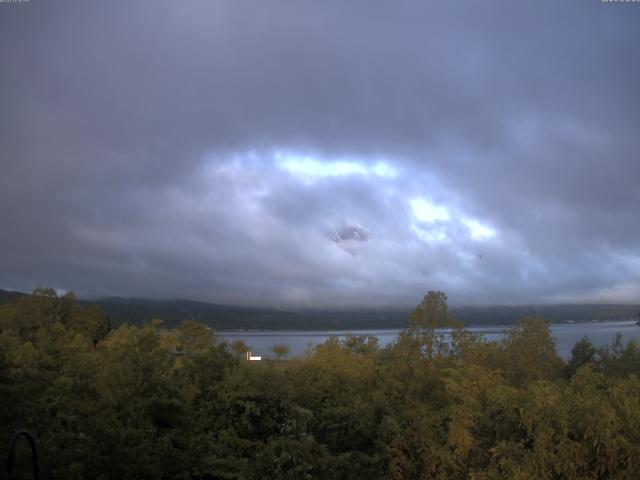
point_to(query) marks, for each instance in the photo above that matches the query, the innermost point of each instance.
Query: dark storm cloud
(209, 149)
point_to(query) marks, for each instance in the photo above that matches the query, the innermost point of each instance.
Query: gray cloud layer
(210, 150)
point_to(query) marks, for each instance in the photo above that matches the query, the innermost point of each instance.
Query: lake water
(565, 335)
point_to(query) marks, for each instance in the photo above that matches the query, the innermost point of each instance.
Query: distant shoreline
(322, 331)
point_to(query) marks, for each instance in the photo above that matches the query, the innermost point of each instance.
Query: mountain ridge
(134, 310)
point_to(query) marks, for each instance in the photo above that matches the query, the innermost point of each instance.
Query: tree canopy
(149, 402)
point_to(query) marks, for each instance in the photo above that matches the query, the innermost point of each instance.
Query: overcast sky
(322, 153)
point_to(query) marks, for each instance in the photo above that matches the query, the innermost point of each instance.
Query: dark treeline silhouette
(146, 402)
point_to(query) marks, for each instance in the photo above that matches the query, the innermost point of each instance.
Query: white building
(252, 358)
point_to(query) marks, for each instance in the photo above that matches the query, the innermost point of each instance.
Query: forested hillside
(135, 311)
(10, 295)
(172, 312)
(142, 402)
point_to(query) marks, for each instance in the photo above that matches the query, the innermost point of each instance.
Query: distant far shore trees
(140, 402)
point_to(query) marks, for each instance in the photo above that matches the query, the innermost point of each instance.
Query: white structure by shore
(252, 358)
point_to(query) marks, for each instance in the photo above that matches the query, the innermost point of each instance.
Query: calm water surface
(565, 335)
